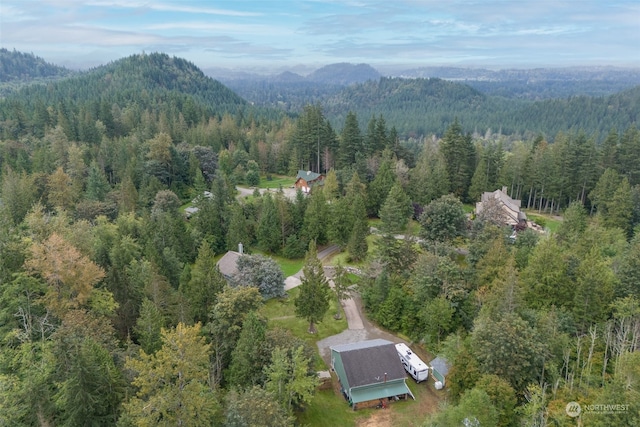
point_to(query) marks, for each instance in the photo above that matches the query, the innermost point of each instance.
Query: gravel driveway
(360, 329)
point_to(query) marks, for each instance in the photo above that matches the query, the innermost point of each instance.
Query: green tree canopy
(313, 301)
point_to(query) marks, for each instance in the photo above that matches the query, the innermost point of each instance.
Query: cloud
(180, 6)
(496, 32)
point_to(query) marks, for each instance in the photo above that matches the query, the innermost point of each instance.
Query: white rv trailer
(412, 363)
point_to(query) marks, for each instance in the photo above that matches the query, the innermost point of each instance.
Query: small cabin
(370, 373)
(307, 180)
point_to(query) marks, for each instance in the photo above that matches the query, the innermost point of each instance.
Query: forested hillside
(112, 310)
(18, 69)
(18, 66)
(538, 83)
(425, 106)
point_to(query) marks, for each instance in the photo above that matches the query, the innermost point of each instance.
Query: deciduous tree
(262, 273)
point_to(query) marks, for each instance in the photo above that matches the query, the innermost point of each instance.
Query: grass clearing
(550, 222)
(276, 181)
(327, 409)
(280, 312)
(289, 266)
(343, 257)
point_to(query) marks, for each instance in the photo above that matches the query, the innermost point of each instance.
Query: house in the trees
(192, 210)
(370, 373)
(502, 208)
(228, 264)
(307, 180)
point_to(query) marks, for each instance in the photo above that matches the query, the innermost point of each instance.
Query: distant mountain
(344, 74)
(290, 91)
(25, 67)
(537, 83)
(18, 69)
(287, 77)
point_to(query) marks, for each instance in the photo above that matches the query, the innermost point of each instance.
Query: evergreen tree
(248, 357)
(357, 245)
(609, 151)
(602, 194)
(18, 194)
(313, 301)
(290, 379)
(381, 184)
(97, 183)
(381, 138)
(330, 187)
(255, 407)
(315, 219)
(621, 209)
(350, 141)
(269, 233)
(428, 180)
(629, 155)
(340, 221)
(488, 171)
(89, 385)
(172, 384)
(149, 326)
(459, 156)
(225, 323)
(396, 211)
(205, 283)
(341, 287)
(238, 231)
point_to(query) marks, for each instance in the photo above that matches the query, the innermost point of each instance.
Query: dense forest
(113, 311)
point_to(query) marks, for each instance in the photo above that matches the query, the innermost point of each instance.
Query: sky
(274, 35)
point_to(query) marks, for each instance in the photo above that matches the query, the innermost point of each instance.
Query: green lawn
(343, 257)
(276, 181)
(546, 221)
(281, 313)
(330, 410)
(289, 266)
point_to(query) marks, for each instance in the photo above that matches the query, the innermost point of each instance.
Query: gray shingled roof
(228, 264)
(307, 175)
(370, 362)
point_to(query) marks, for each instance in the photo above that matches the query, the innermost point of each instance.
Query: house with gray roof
(307, 180)
(228, 264)
(498, 204)
(370, 373)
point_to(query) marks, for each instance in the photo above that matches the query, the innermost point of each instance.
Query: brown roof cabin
(306, 180)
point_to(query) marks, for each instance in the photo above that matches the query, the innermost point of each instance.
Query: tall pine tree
(313, 301)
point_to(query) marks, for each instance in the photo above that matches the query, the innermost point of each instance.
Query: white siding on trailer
(418, 370)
